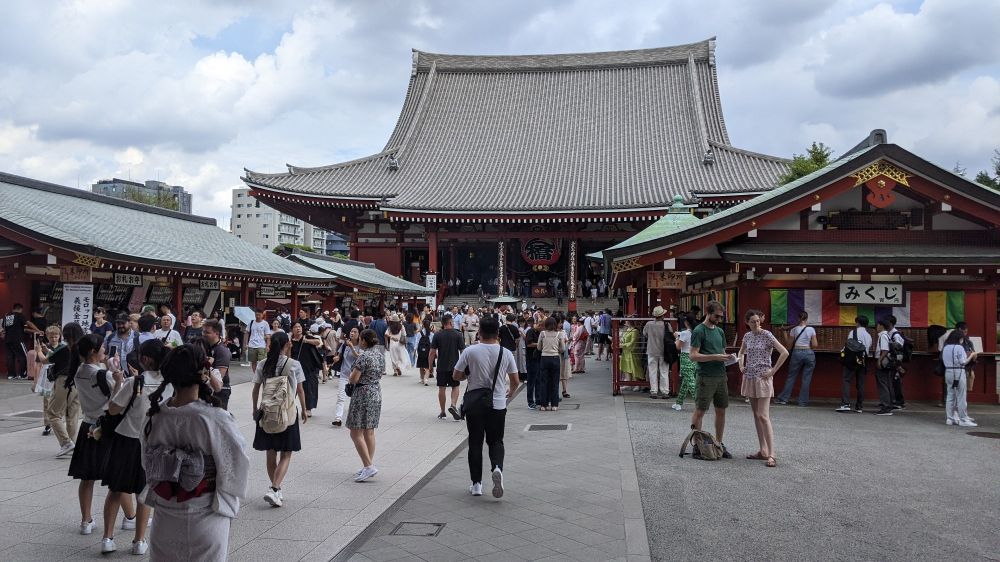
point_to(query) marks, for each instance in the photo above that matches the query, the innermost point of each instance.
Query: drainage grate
(412, 529)
(986, 434)
(552, 427)
(565, 406)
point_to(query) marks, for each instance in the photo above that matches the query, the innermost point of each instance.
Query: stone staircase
(548, 303)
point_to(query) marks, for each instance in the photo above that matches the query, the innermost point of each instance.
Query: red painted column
(432, 251)
(630, 300)
(295, 301)
(352, 244)
(178, 298)
(245, 294)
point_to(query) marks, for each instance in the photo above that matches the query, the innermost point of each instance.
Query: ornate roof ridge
(702, 51)
(731, 148)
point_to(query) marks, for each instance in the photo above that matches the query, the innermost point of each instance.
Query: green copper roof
(359, 273)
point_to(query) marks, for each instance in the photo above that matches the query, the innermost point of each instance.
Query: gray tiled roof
(113, 229)
(867, 253)
(597, 131)
(359, 273)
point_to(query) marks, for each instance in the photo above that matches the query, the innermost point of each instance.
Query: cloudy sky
(192, 92)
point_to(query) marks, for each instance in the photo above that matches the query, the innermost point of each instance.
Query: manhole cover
(565, 406)
(986, 434)
(411, 529)
(27, 414)
(549, 427)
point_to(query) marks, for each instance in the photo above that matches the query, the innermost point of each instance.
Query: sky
(192, 93)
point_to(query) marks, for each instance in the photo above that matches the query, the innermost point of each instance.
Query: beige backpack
(703, 446)
(277, 406)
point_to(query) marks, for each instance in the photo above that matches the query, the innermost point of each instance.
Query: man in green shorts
(708, 350)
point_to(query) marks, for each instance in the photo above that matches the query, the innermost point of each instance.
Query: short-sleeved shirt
(471, 322)
(531, 337)
(757, 352)
(13, 325)
(800, 340)
(258, 334)
(509, 334)
(371, 364)
(103, 330)
(380, 327)
(135, 419)
(654, 332)
(191, 333)
(862, 335)
(685, 338)
(294, 372)
(221, 357)
(449, 344)
(709, 342)
(92, 401)
(481, 359)
(170, 338)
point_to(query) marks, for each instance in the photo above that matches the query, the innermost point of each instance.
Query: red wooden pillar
(630, 300)
(352, 244)
(451, 261)
(245, 294)
(178, 298)
(432, 251)
(295, 301)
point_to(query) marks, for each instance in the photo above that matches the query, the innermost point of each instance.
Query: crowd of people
(140, 402)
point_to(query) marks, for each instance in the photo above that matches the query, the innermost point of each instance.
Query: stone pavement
(570, 495)
(847, 486)
(324, 509)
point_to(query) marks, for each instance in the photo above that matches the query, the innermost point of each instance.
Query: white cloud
(89, 90)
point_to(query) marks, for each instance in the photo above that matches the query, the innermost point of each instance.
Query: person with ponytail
(279, 363)
(95, 383)
(123, 474)
(195, 463)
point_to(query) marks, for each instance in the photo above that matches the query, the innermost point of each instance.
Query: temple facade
(505, 171)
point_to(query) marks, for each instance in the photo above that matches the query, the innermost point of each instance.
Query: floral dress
(366, 400)
(757, 350)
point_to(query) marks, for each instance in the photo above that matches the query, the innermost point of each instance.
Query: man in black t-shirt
(13, 328)
(446, 346)
(532, 361)
(220, 356)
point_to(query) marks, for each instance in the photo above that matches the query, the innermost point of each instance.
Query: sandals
(770, 462)
(565, 395)
(758, 456)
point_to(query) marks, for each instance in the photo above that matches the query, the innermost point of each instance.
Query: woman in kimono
(396, 338)
(630, 364)
(195, 462)
(579, 337)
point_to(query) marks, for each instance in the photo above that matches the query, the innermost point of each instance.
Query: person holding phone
(956, 361)
(347, 353)
(708, 350)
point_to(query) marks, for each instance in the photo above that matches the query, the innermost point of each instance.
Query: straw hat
(658, 312)
(394, 317)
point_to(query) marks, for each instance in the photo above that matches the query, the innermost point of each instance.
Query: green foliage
(816, 156)
(286, 249)
(161, 200)
(991, 181)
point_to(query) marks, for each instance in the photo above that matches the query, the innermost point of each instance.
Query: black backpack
(854, 352)
(132, 358)
(424, 345)
(670, 353)
(900, 350)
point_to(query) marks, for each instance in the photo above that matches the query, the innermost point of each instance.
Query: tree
(816, 156)
(161, 199)
(984, 177)
(286, 249)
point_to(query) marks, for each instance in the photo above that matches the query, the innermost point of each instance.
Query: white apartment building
(259, 224)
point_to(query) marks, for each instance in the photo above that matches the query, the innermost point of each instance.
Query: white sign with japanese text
(431, 283)
(78, 304)
(128, 279)
(882, 294)
(208, 284)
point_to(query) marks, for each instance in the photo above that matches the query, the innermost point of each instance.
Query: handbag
(480, 401)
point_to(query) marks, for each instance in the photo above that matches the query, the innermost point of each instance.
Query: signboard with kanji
(666, 279)
(75, 274)
(432, 283)
(128, 279)
(884, 294)
(208, 284)
(78, 304)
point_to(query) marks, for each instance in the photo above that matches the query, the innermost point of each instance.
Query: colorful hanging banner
(922, 308)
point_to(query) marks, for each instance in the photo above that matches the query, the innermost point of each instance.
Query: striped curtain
(923, 308)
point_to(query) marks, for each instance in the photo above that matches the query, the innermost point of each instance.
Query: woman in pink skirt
(758, 379)
(578, 337)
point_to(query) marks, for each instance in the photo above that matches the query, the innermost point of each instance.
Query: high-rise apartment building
(266, 227)
(152, 192)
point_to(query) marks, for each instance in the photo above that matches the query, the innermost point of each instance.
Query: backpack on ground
(703, 446)
(277, 407)
(854, 352)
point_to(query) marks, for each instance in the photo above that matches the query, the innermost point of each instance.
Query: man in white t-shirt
(470, 325)
(170, 337)
(859, 333)
(481, 360)
(260, 336)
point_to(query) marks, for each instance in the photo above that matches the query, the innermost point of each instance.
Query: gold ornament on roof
(87, 260)
(881, 168)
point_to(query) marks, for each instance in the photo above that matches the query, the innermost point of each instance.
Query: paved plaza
(847, 486)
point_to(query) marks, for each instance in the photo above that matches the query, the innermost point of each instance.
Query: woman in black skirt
(278, 363)
(424, 350)
(95, 386)
(123, 473)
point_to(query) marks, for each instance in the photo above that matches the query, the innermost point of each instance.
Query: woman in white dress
(195, 462)
(399, 356)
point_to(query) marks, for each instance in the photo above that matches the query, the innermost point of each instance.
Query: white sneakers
(677, 407)
(87, 527)
(273, 497)
(128, 524)
(476, 488)
(140, 548)
(497, 483)
(967, 423)
(951, 421)
(366, 473)
(65, 449)
(108, 546)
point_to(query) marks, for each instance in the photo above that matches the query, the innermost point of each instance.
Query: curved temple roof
(593, 132)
